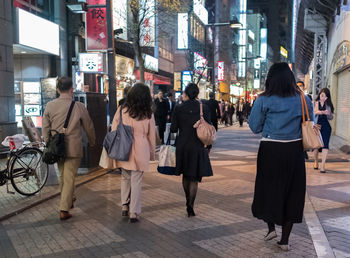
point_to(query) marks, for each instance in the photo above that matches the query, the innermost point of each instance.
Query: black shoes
(134, 220)
(190, 212)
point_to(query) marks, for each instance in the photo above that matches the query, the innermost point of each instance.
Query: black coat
(162, 110)
(214, 109)
(192, 159)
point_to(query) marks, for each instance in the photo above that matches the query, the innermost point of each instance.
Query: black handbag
(55, 149)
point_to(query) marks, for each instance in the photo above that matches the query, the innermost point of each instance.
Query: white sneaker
(284, 247)
(270, 235)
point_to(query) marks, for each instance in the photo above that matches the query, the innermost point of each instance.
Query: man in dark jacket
(214, 110)
(161, 114)
(171, 106)
(122, 101)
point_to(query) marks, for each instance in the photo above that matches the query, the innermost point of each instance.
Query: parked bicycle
(25, 169)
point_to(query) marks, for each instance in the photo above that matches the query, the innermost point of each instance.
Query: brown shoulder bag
(205, 131)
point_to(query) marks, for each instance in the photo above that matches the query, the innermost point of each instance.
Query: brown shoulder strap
(305, 110)
(201, 108)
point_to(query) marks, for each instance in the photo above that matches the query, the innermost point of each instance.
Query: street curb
(318, 236)
(81, 181)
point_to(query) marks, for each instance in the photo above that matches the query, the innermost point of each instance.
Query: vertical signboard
(120, 17)
(186, 78)
(96, 27)
(221, 71)
(182, 30)
(148, 19)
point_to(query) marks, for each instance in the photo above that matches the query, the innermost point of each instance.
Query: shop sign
(284, 52)
(124, 66)
(31, 87)
(251, 34)
(341, 56)
(257, 63)
(186, 77)
(221, 71)
(36, 32)
(235, 90)
(147, 16)
(182, 30)
(151, 63)
(200, 64)
(257, 84)
(120, 17)
(32, 110)
(96, 29)
(177, 81)
(263, 43)
(200, 11)
(91, 62)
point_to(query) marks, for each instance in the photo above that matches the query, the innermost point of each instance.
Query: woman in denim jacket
(323, 114)
(280, 184)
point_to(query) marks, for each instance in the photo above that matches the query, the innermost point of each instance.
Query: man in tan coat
(54, 117)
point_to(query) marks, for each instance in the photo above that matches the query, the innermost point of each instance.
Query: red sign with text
(221, 71)
(96, 28)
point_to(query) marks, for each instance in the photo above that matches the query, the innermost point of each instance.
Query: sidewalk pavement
(223, 227)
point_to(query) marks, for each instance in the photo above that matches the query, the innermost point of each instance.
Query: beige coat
(144, 145)
(54, 117)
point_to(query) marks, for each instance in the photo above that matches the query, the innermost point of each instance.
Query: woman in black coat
(192, 158)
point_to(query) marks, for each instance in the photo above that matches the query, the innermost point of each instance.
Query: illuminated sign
(263, 44)
(96, 29)
(31, 87)
(151, 63)
(200, 11)
(147, 14)
(242, 38)
(256, 84)
(221, 71)
(235, 90)
(182, 30)
(257, 63)
(284, 52)
(91, 62)
(186, 78)
(120, 17)
(32, 110)
(36, 32)
(200, 64)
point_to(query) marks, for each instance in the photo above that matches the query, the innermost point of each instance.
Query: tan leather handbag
(205, 131)
(312, 138)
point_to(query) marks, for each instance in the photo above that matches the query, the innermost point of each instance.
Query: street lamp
(234, 24)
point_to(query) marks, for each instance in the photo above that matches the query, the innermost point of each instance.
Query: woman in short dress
(323, 111)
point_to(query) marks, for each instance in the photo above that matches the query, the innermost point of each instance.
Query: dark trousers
(162, 127)
(240, 118)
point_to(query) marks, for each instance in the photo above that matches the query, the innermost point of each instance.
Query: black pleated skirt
(280, 183)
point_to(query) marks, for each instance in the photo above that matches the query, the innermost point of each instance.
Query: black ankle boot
(190, 212)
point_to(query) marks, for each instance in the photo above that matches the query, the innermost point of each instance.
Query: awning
(157, 79)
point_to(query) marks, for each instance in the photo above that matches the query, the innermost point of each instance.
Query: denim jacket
(278, 118)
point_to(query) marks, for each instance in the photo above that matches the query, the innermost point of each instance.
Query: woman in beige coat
(137, 113)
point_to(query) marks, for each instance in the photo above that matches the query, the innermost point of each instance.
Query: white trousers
(131, 186)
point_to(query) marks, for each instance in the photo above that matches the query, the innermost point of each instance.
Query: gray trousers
(131, 186)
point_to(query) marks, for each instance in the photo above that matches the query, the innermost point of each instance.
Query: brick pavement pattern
(223, 227)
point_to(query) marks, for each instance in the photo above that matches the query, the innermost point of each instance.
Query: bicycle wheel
(28, 172)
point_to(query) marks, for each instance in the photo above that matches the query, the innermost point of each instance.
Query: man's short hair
(64, 84)
(170, 94)
(211, 95)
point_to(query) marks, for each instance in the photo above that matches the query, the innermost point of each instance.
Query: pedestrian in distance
(54, 118)
(240, 111)
(301, 86)
(161, 113)
(137, 113)
(192, 158)
(323, 111)
(226, 115)
(214, 110)
(222, 108)
(231, 112)
(171, 106)
(280, 184)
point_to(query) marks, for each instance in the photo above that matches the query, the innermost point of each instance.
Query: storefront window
(42, 8)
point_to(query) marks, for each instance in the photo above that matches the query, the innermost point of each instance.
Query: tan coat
(144, 145)
(54, 117)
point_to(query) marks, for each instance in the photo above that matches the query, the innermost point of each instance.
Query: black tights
(286, 229)
(190, 188)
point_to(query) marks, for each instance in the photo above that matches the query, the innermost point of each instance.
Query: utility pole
(112, 94)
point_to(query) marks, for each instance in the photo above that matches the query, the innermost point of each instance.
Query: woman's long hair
(139, 102)
(280, 81)
(329, 99)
